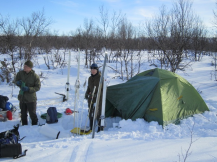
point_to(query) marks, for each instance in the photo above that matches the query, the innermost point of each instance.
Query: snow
(122, 140)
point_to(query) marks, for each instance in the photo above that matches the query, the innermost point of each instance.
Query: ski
(84, 86)
(67, 83)
(102, 125)
(77, 86)
(98, 96)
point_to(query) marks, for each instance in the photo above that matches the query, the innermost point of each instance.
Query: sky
(68, 15)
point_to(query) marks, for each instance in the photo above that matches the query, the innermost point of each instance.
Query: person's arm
(97, 86)
(37, 85)
(18, 80)
(88, 88)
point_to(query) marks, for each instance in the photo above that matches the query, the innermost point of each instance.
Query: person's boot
(100, 128)
(24, 122)
(91, 123)
(35, 122)
(24, 119)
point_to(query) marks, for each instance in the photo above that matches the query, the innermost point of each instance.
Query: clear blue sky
(70, 14)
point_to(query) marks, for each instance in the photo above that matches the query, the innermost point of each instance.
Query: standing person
(93, 80)
(29, 84)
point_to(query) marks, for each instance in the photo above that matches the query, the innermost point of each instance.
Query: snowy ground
(132, 140)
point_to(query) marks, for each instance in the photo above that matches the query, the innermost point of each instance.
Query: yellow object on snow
(77, 131)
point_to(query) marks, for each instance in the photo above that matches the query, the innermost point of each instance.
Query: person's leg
(24, 112)
(32, 112)
(91, 115)
(99, 122)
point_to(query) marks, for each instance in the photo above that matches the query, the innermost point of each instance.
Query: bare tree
(33, 27)
(125, 36)
(172, 31)
(5, 70)
(8, 39)
(214, 56)
(184, 155)
(140, 46)
(198, 40)
(87, 35)
(158, 32)
(78, 38)
(214, 48)
(112, 40)
(104, 23)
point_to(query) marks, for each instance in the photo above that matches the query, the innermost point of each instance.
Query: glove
(18, 83)
(25, 89)
(86, 96)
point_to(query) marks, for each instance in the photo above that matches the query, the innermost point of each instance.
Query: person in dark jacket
(29, 83)
(93, 80)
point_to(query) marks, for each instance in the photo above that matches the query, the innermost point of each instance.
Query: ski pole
(79, 83)
(67, 83)
(77, 86)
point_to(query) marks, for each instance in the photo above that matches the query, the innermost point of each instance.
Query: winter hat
(68, 111)
(29, 63)
(94, 66)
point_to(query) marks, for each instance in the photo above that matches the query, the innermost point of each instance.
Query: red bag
(9, 115)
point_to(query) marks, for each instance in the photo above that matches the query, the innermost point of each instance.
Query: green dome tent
(155, 95)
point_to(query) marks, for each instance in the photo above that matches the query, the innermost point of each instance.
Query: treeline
(169, 37)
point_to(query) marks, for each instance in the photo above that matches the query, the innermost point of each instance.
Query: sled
(82, 131)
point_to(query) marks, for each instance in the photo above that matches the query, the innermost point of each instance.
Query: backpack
(9, 146)
(11, 136)
(51, 115)
(3, 100)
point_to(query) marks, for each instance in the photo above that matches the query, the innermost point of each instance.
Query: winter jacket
(32, 81)
(93, 81)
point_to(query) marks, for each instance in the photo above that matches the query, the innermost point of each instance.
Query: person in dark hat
(29, 83)
(93, 80)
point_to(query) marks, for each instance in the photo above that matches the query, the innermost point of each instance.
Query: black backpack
(9, 146)
(3, 101)
(51, 115)
(11, 136)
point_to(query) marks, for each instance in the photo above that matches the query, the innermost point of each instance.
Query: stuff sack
(51, 115)
(3, 116)
(8, 106)
(12, 150)
(3, 101)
